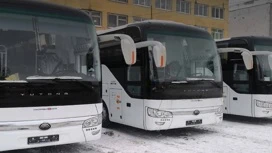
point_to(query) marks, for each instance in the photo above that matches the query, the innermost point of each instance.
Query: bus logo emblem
(45, 126)
(196, 112)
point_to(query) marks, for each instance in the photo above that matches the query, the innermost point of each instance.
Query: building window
(164, 4)
(97, 18)
(122, 1)
(138, 19)
(217, 33)
(115, 20)
(142, 2)
(183, 6)
(201, 9)
(217, 13)
(201, 27)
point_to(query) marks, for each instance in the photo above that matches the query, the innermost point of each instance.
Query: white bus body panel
(136, 114)
(18, 124)
(245, 105)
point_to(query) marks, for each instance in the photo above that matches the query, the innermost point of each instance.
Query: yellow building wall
(131, 10)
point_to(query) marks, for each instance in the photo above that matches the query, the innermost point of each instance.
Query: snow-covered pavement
(234, 135)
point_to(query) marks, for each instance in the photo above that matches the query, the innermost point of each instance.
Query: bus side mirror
(159, 55)
(129, 51)
(159, 51)
(248, 60)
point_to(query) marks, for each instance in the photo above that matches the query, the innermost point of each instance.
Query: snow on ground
(234, 135)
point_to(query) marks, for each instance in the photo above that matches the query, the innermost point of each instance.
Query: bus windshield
(263, 68)
(189, 57)
(38, 47)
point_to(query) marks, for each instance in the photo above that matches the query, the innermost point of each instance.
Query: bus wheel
(105, 117)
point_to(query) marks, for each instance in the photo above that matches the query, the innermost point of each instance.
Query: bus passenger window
(133, 79)
(134, 73)
(3, 62)
(134, 90)
(240, 78)
(240, 73)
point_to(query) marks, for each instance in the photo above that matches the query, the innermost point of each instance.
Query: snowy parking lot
(234, 135)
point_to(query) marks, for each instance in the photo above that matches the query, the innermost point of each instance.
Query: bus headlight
(263, 104)
(219, 111)
(158, 113)
(94, 121)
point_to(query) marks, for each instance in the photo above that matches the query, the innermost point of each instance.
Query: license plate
(43, 139)
(193, 122)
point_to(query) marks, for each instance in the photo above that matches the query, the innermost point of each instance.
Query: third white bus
(247, 84)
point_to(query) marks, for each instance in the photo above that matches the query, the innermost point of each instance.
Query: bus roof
(247, 38)
(154, 23)
(40, 8)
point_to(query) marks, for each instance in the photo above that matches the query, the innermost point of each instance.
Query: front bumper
(180, 117)
(69, 131)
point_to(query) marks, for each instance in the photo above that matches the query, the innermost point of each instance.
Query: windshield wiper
(8, 82)
(199, 79)
(190, 80)
(53, 78)
(179, 82)
(13, 81)
(50, 79)
(211, 80)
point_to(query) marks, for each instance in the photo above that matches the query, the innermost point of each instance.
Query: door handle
(235, 98)
(128, 104)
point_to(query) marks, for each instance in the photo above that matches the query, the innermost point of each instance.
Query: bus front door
(226, 99)
(240, 97)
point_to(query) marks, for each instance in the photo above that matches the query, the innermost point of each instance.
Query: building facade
(211, 15)
(250, 17)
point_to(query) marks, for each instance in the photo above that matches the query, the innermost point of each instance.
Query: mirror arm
(115, 37)
(261, 53)
(246, 54)
(232, 50)
(148, 44)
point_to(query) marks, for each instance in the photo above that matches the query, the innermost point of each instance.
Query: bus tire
(105, 117)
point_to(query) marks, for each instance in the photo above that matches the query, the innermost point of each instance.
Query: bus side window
(134, 73)
(113, 58)
(3, 62)
(134, 78)
(240, 78)
(240, 72)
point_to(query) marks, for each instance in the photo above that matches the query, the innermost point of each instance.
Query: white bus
(247, 80)
(155, 93)
(50, 76)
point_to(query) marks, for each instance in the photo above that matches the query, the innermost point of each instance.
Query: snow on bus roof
(224, 39)
(99, 32)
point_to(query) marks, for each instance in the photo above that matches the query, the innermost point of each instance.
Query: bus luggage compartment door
(116, 105)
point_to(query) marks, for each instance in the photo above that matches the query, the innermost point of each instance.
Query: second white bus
(157, 93)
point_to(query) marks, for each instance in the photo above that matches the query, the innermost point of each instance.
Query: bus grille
(191, 112)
